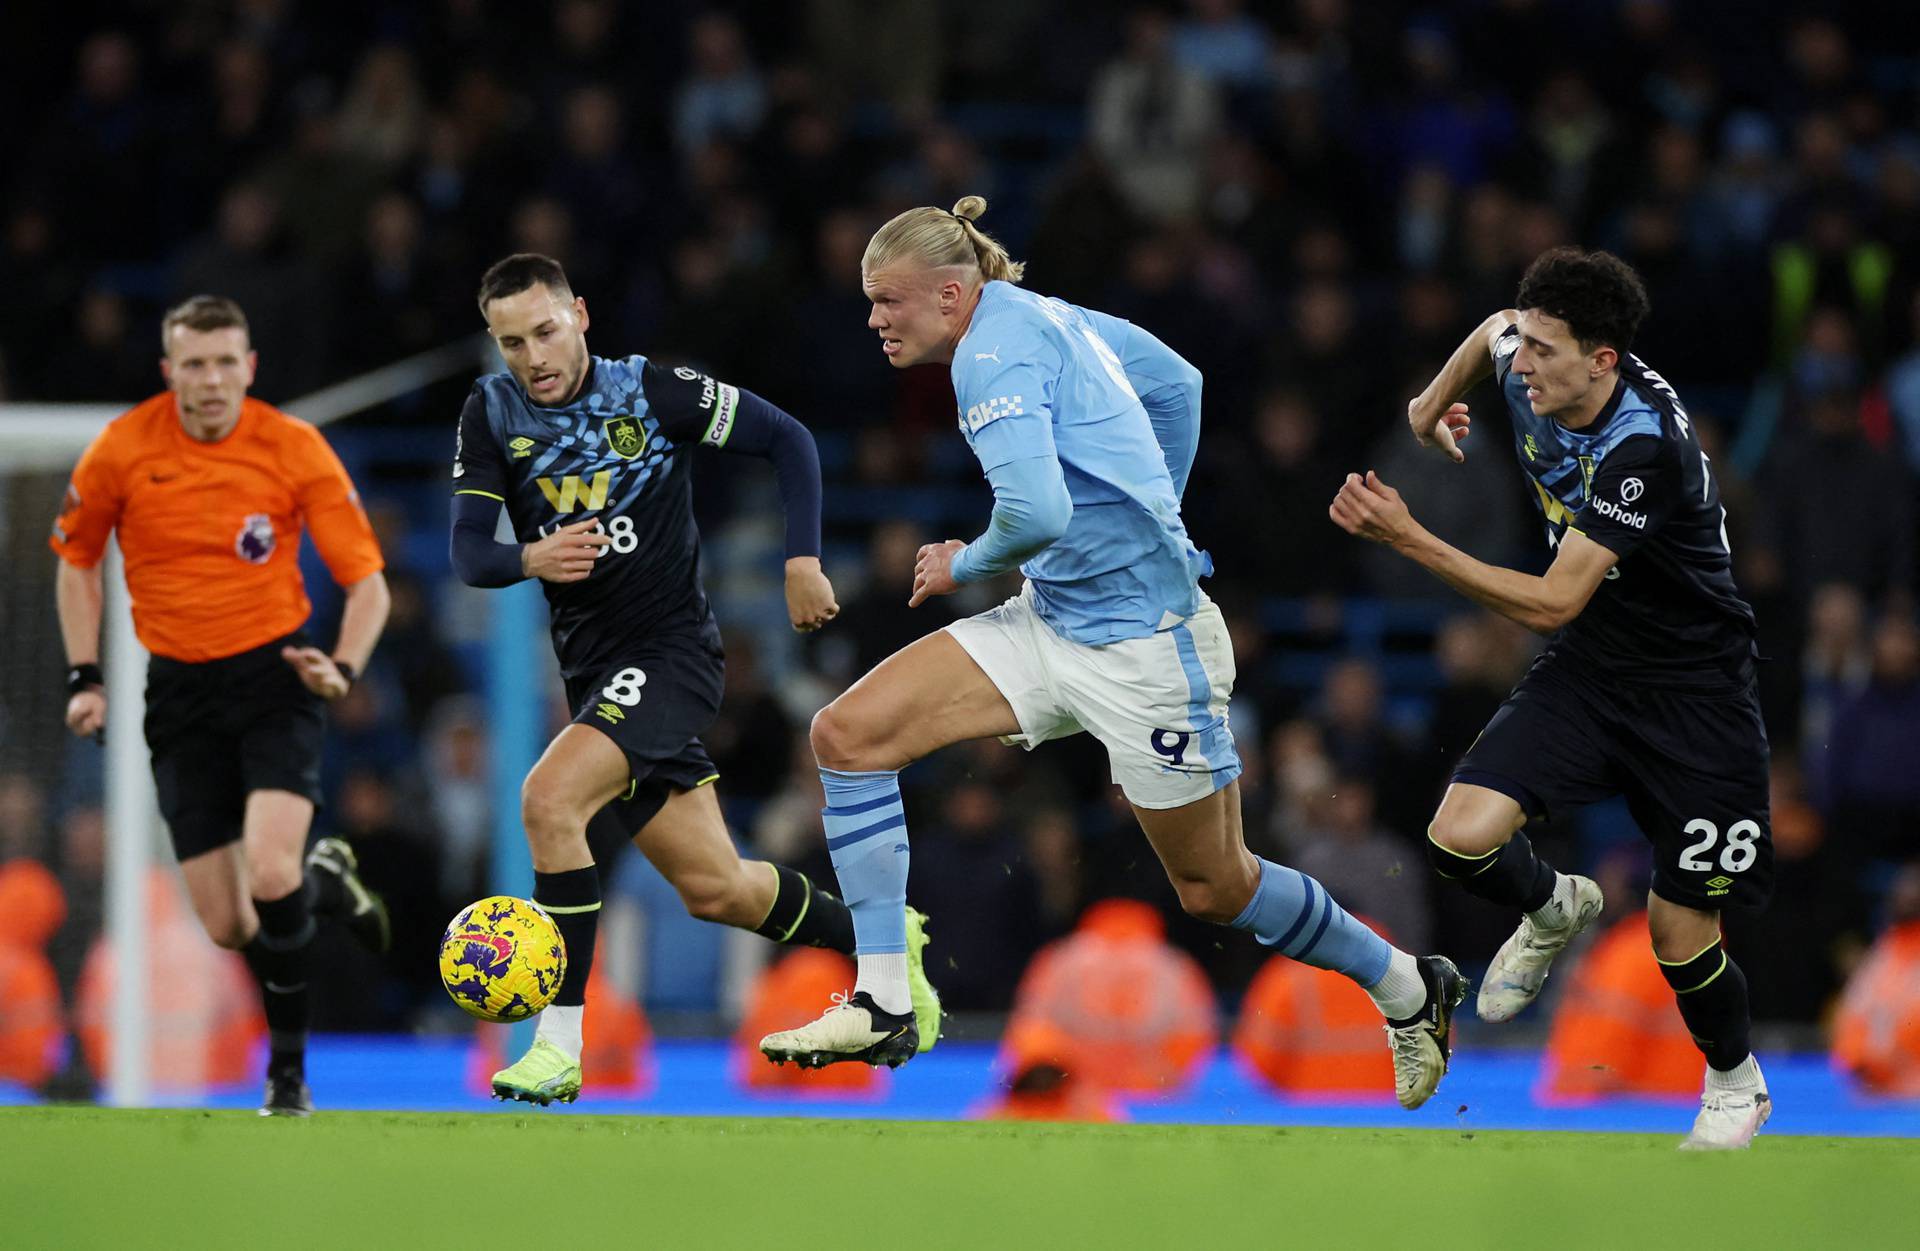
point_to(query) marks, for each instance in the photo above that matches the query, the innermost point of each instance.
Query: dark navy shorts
(655, 701)
(1692, 766)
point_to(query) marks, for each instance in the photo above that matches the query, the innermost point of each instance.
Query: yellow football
(502, 959)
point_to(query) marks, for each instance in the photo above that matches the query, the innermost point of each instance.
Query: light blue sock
(1293, 912)
(867, 838)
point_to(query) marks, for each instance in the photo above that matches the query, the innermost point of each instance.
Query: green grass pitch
(85, 1177)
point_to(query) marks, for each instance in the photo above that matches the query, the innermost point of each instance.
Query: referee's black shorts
(1692, 765)
(221, 729)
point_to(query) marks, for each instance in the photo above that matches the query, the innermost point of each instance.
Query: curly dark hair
(1596, 293)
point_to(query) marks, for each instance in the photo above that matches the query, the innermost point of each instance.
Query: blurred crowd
(1314, 200)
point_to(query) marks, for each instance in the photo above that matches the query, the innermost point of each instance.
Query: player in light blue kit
(1087, 428)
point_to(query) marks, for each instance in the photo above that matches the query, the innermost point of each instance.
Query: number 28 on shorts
(1736, 854)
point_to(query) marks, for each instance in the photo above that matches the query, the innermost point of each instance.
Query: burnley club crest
(626, 436)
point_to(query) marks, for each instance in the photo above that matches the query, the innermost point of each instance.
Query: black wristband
(84, 677)
(346, 671)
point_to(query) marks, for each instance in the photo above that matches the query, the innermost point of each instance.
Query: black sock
(572, 898)
(805, 915)
(1512, 875)
(277, 955)
(1712, 993)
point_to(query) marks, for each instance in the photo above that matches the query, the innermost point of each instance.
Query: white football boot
(854, 1028)
(1732, 1110)
(1422, 1044)
(1520, 967)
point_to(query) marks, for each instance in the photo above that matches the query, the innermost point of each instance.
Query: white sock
(1742, 1078)
(561, 1027)
(1402, 992)
(1557, 912)
(884, 976)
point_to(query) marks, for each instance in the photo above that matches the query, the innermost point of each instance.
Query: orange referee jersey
(210, 532)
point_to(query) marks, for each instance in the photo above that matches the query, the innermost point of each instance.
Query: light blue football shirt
(1040, 378)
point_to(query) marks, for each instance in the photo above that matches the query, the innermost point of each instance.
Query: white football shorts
(1159, 703)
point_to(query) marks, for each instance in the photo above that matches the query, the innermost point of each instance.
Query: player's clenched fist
(810, 602)
(933, 571)
(317, 670)
(1370, 509)
(87, 711)
(566, 555)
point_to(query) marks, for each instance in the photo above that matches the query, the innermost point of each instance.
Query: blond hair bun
(934, 238)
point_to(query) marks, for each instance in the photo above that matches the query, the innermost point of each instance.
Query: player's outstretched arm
(477, 559)
(480, 489)
(1031, 510)
(566, 555)
(694, 408)
(1169, 388)
(1371, 509)
(1008, 423)
(765, 430)
(88, 515)
(345, 540)
(1437, 417)
(77, 598)
(362, 619)
(364, 616)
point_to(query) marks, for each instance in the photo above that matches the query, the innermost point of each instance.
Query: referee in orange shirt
(208, 490)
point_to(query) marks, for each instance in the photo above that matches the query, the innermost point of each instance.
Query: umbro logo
(521, 447)
(993, 356)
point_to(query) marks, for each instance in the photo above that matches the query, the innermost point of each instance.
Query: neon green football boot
(541, 1076)
(926, 1000)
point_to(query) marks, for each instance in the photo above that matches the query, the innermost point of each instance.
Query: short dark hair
(1596, 293)
(518, 272)
(202, 312)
